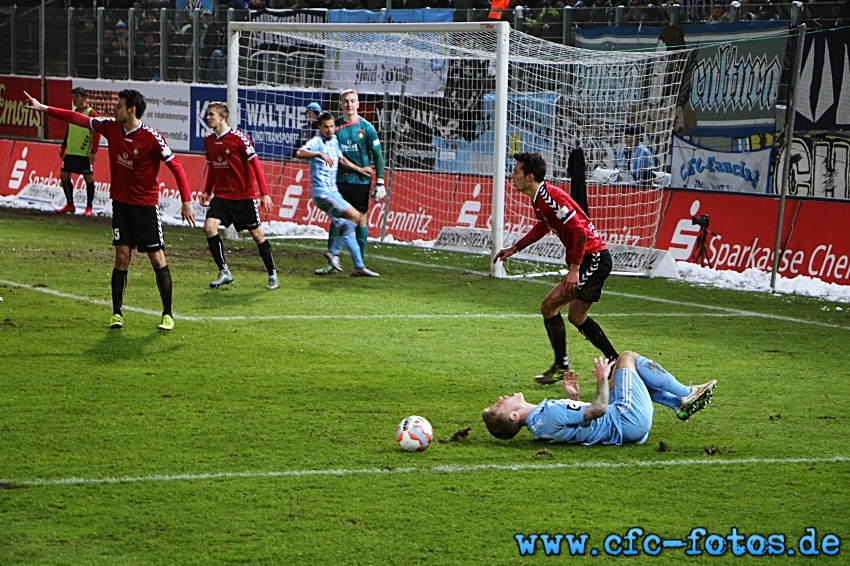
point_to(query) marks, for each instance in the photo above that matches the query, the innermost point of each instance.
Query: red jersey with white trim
(557, 211)
(228, 157)
(134, 159)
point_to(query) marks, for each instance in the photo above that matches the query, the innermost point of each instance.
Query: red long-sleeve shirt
(134, 158)
(557, 211)
(230, 159)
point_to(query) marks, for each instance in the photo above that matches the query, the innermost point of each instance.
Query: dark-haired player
(230, 160)
(587, 258)
(361, 145)
(135, 152)
(78, 153)
(325, 156)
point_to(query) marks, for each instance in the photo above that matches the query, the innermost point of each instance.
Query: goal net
(452, 103)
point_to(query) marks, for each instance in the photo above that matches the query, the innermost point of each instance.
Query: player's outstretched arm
(265, 199)
(69, 116)
(362, 170)
(504, 254)
(186, 211)
(34, 104)
(571, 385)
(599, 406)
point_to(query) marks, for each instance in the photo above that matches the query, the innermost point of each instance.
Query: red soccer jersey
(228, 168)
(557, 211)
(134, 159)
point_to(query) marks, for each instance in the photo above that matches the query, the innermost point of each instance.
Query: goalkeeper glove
(379, 192)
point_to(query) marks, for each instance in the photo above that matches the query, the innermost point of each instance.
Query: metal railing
(191, 46)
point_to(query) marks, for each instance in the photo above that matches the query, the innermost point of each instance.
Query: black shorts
(592, 273)
(243, 214)
(137, 227)
(76, 164)
(356, 194)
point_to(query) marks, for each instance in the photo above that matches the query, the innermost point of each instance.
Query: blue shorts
(332, 203)
(631, 400)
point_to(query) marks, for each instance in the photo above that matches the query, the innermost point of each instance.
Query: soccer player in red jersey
(231, 159)
(587, 257)
(135, 152)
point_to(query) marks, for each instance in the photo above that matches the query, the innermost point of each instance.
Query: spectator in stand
(635, 158)
(237, 4)
(149, 23)
(352, 5)
(746, 11)
(547, 21)
(635, 12)
(258, 5)
(218, 67)
(600, 13)
(843, 17)
(471, 10)
(329, 4)
(578, 9)
(667, 9)
(147, 59)
(85, 50)
(114, 66)
(500, 10)
(719, 14)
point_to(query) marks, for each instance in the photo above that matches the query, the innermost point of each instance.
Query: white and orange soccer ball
(414, 434)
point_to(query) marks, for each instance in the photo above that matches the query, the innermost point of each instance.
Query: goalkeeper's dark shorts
(592, 273)
(356, 194)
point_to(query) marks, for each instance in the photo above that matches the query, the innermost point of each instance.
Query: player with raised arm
(361, 145)
(135, 152)
(78, 153)
(625, 418)
(325, 157)
(587, 258)
(231, 159)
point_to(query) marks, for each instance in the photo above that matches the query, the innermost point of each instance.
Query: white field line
(433, 469)
(720, 311)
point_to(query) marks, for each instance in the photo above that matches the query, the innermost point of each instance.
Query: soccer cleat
(364, 272)
(333, 260)
(326, 270)
(167, 322)
(699, 397)
(224, 278)
(116, 322)
(88, 212)
(273, 283)
(66, 209)
(554, 373)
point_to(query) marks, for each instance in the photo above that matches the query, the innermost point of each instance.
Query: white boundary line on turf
(234, 318)
(721, 311)
(433, 469)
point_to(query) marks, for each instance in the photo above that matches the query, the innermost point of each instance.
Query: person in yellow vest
(78, 152)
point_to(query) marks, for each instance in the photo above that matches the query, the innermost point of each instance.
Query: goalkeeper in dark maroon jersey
(587, 258)
(135, 152)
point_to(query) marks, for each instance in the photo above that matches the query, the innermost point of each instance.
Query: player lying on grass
(627, 419)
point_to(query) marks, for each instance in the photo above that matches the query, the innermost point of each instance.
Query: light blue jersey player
(325, 156)
(627, 419)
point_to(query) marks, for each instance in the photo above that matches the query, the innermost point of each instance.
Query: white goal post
(452, 102)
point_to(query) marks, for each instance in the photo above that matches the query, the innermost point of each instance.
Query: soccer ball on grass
(414, 434)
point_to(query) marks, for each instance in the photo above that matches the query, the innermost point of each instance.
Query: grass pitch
(261, 429)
